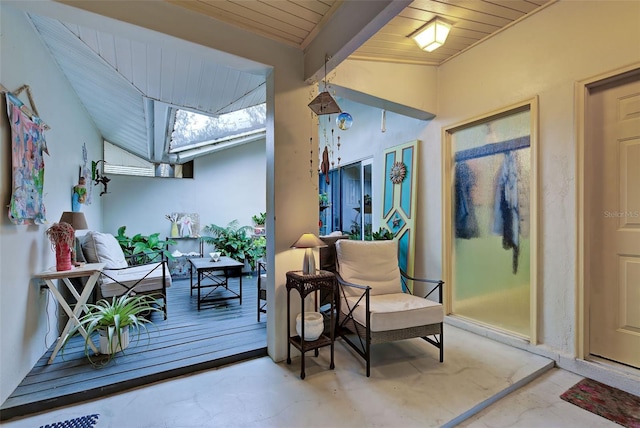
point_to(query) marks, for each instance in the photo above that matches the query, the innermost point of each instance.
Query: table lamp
(78, 222)
(308, 241)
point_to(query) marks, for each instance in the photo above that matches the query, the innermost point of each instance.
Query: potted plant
(142, 249)
(323, 200)
(259, 221)
(232, 240)
(383, 234)
(256, 251)
(114, 321)
(62, 239)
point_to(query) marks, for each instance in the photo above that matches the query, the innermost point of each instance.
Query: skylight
(194, 130)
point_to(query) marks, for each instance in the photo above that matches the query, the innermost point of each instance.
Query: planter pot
(106, 349)
(63, 256)
(313, 325)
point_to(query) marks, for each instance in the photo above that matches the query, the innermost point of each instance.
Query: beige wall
(542, 56)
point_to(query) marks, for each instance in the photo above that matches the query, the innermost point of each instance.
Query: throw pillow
(103, 248)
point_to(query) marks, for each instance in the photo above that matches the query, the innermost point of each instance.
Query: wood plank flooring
(188, 340)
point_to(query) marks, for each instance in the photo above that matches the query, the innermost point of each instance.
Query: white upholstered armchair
(376, 304)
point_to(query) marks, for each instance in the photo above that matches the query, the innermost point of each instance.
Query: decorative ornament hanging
(332, 140)
(398, 172)
(344, 121)
(339, 152)
(324, 102)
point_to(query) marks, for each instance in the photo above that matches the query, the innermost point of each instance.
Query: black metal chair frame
(157, 294)
(365, 337)
(262, 293)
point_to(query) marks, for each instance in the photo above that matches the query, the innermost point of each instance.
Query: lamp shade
(432, 35)
(75, 219)
(308, 241)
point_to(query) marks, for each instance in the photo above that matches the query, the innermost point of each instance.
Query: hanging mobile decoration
(344, 121)
(338, 152)
(332, 161)
(398, 172)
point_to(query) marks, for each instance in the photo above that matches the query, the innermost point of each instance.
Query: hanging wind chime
(325, 104)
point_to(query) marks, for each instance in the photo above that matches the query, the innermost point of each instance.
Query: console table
(91, 270)
(305, 285)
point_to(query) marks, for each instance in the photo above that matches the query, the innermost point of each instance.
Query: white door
(612, 166)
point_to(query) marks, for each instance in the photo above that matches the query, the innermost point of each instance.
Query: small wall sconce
(432, 35)
(97, 178)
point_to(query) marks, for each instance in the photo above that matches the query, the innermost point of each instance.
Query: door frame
(583, 90)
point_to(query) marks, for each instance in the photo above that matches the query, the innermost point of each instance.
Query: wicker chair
(376, 304)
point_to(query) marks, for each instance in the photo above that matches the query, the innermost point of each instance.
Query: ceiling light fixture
(432, 35)
(324, 102)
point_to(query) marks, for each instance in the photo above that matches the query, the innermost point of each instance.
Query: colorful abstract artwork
(27, 147)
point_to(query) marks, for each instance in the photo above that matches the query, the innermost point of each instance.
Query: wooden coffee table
(215, 275)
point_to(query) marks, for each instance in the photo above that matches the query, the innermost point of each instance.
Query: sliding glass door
(347, 196)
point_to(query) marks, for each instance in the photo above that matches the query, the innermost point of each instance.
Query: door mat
(82, 422)
(611, 403)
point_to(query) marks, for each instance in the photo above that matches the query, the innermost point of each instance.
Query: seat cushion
(103, 248)
(372, 263)
(112, 280)
(395, 311)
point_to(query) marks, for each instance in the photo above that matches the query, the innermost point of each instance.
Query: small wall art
(184, 225)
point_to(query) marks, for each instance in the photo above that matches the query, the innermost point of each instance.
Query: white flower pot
(313, 325)
(115, 345)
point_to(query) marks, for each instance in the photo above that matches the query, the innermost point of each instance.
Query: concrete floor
(480, 384)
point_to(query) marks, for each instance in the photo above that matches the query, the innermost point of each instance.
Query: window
(195, 134)
(350, 202)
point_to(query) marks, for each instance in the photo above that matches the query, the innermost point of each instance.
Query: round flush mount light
(344, 121)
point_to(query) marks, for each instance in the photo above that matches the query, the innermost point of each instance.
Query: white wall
(27, 315)
(542, 56)
(227, 185)
(366, 140)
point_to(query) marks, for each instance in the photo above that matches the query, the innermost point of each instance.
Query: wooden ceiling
(297, 22)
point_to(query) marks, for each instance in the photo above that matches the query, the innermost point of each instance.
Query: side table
(92, 270)
(305, 285)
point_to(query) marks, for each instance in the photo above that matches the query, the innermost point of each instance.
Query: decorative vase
(63, 256)
(116, 345)
(313, 325)
(174, 230)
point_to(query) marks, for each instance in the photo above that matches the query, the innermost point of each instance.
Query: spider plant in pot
(114, 321)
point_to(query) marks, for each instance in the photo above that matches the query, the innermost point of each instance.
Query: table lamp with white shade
(308, 241)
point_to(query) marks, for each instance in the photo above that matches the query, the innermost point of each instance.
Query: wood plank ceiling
(296, 22)
(130, 87)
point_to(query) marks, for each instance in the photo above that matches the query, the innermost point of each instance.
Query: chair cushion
(112, 280)
(103, 248)
(396, 311)
(372, 263)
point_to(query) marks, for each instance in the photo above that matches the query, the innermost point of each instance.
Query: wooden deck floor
(187, 341)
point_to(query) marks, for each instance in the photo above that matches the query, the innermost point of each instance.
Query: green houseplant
(141, 249)
(114, 321)
(256, 251)
(383, 234)
(232, 240)
(259, 219)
